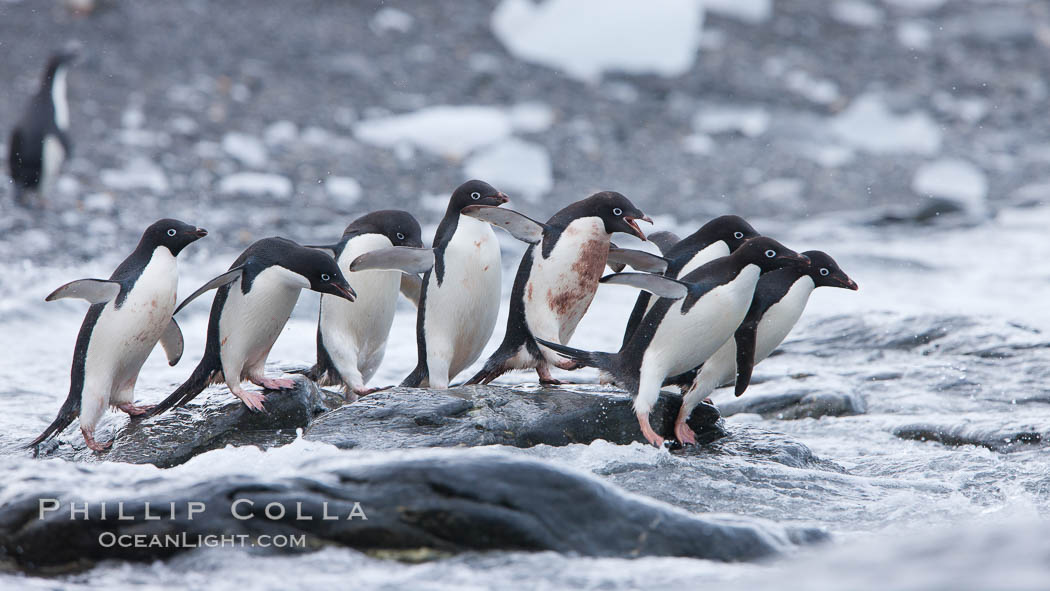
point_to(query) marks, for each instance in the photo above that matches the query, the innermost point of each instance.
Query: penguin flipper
(746, 337)
(658, 285)
(519, 225)
(639, 260)
(396, 258)
(172, 342)
(411, 287)
(227, 277)
(664, 240)
(95, 291)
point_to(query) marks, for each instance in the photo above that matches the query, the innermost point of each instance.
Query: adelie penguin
(351, 337)
(460, 292)
(557, 277)
(40, 141)
(780, 298)
(130, 312)
(694, 317)
(254, 300)
(717, 238)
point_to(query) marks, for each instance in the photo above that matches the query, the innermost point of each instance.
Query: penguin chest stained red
(561, 286)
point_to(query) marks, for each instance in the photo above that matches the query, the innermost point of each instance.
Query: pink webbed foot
(684, 433)
(89, 439)
(253, 400)
(133, 410)
(546, 378)
(647, 430)
(274, 383)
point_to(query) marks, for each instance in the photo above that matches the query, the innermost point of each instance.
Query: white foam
(586, 38)
(516, 166)
(869, 125)
(249, 150)
(256, 183)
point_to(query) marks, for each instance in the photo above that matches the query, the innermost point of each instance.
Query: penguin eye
(738, 235)
(475, 195)
(824, 272)
(400, 236)
(771, 253)
(617, 211)
(171, 231)
(325, 277)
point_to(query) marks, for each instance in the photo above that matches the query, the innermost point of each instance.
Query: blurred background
(256, 117)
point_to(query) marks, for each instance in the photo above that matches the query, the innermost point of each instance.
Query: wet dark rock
(796, 404)
(521, 417)
(209, 422)
(435, 501)
(995, 438)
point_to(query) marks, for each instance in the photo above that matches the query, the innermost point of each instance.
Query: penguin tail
(66, 415)
(608, 362)
(203, 375)
(415, 378)
(494, 367)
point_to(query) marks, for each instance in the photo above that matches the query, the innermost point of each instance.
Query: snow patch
(857, 13)
(517, 166)
(280, 132)
(749, 11)
(586, 38)
(749, 121)
(869, 125)
(954, 180)
(531, 117)
(256, 183)
(698, 143)
(914, 35)
(391, 20)
(343, 189)
(249, 150)
(139, 173)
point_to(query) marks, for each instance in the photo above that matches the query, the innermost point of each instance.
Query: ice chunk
(451, 131)
(869, 125)
(698, 143)
(749, 11)
(955, 180)
(256, 183)
(343, 189)
(280, 132)
(857, 13)
(750, 121)
(585, 38)
(139, 173)
(519, 167)
(531, 117)
(391, 19)
(914, 35)
(249, 150)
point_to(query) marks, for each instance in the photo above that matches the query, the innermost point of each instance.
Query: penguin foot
(552, 382)
(89, 439)
(274, 383)
(363, 391)
(647, 430)
(684, 434)
(131, 409)
(253, 400)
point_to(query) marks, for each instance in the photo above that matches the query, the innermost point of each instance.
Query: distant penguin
(129, 313)
(780, 298)
(460, 292)
(557, 277)
(351, 338)
(40, 141)
(695, 316)
(254, 300)
(717, 238)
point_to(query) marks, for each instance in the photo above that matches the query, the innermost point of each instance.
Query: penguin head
(617, 211)
(475, 193)
(769, 255)
(731, 229)
(171, 234)
(399, 226)
(322, 272)
(826, 272)
(60, 59)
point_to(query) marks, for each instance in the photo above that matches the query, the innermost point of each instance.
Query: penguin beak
(344, 291)
(847, 283)
(634, 226)
(200, 232)
(502, 198)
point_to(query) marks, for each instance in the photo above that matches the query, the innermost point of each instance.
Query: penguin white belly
(123, 337)
(713, 251)
(250, 323)
(683, 342)
(560, 287)
(54, 154)
(461, 312)
(355, 334)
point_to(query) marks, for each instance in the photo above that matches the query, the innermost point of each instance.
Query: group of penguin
(714, 304)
